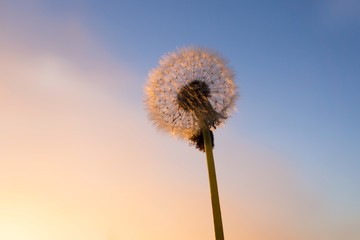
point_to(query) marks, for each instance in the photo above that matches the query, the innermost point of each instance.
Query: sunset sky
(79, 158)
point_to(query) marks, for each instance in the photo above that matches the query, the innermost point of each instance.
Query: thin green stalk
(219, 233)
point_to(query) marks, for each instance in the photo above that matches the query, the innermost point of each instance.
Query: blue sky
(296, 63)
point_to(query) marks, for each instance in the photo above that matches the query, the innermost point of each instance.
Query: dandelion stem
(213, 185)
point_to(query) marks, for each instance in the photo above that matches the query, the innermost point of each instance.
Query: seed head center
(194, 96)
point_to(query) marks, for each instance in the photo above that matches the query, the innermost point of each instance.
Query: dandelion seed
(195, 77)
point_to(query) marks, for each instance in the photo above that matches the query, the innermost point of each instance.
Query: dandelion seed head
(190, 89)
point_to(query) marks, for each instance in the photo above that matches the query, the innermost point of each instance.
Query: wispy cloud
(339, 13)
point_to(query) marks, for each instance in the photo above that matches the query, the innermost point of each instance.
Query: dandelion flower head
(190, 89)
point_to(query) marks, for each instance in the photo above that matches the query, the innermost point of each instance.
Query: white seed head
(190, 89)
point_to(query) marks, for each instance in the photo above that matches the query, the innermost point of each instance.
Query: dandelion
(189, 94)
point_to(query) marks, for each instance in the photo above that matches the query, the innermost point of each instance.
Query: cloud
(340, 13)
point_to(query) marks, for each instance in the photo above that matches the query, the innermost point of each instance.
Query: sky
(79, 158)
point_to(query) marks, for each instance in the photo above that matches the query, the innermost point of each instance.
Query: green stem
(213, 186)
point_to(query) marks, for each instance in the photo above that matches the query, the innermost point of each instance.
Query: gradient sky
(80, 160)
